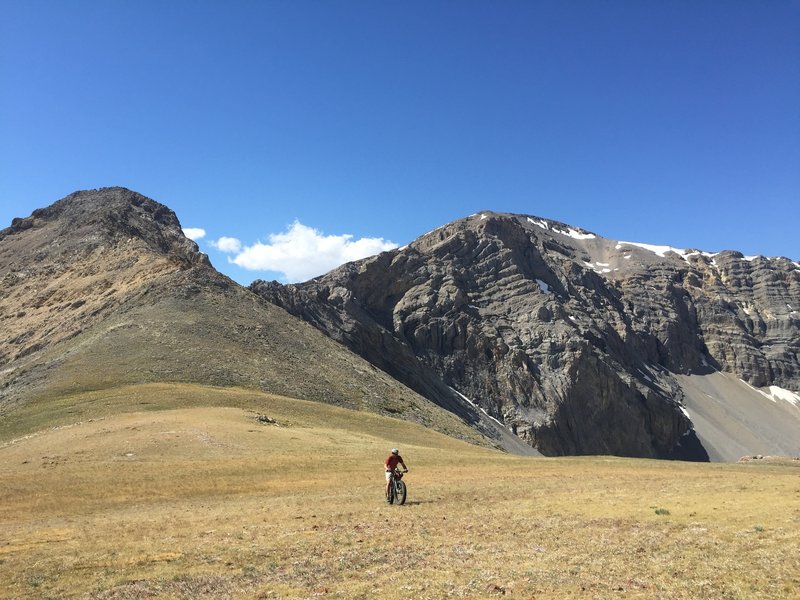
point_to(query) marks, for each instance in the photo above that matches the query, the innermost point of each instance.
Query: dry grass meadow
(168, 491)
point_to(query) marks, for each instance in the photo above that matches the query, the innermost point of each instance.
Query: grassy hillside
(245, 343)
(178, 491)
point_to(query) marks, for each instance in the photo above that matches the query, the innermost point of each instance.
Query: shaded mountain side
(572, 341)
(103, 289)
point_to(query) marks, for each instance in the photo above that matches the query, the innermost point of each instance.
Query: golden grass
(202, 501)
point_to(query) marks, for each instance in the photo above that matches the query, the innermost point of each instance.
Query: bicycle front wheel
(400, 491)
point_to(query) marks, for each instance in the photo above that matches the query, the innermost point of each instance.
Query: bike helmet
(395, 451)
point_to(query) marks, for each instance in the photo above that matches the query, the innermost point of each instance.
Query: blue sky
(287, 126)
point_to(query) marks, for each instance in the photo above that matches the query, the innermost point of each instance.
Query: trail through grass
(175, 500)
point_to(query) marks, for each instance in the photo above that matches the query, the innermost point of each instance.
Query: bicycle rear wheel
(400, 491)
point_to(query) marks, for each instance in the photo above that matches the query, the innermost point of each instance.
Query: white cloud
(231, 245)
(194, 233)
(303, 252)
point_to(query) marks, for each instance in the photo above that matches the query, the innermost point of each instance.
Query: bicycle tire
(400, 492)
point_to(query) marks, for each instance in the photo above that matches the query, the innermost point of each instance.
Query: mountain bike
(397, 488)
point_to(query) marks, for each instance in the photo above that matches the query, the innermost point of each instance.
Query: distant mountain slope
(102, 289)
(573, 341)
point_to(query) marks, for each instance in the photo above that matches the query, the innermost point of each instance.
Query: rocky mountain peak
(573, 341)
(87, 220)
(80, 258)
(499, 225)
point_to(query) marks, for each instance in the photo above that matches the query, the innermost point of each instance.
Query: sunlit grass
(210, 503)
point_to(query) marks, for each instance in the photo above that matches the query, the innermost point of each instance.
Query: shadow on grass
(415, 502)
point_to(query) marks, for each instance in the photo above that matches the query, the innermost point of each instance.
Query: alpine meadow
(168, 433)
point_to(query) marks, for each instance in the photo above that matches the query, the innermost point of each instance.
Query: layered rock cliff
(574, 342)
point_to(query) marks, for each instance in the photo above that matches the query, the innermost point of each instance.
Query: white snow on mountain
(478, 407)
(599, 268)
(776, 393)
(578, 235)
(573, 233)
(662, 250)
(782, 394)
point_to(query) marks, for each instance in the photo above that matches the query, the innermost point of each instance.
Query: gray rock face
(572, 341)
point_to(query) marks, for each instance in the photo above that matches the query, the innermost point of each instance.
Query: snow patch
(686, 412)
(478, 407)
(573, 233)
(483, 216)
(776, 393)
(659, 250)
(543, 286)
(781, 394)
(594, 268)
(538, 223)
(699, 253)
(662, 250)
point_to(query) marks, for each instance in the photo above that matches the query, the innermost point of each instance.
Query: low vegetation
(165, 491)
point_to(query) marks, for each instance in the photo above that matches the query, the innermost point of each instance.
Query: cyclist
(390, 464)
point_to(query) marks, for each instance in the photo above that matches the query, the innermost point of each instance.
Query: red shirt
(392, 461)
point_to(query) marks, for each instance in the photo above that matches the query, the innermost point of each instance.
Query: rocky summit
(575, 343)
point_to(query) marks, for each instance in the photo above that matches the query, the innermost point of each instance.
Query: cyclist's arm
(405, 468)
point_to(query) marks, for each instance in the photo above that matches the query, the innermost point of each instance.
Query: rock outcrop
(572, 341)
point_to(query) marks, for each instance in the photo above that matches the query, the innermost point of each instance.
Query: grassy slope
(189, 330)
(188, 496)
